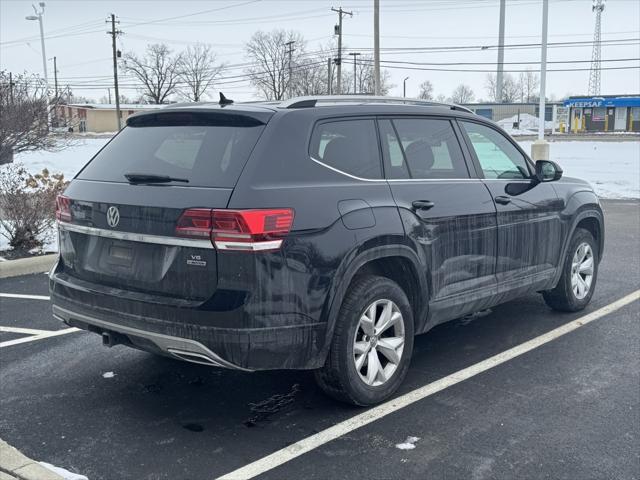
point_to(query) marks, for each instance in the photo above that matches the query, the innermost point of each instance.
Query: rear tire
(579, 274)
(372, 343)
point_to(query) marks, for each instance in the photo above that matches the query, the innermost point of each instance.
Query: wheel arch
(397, 262)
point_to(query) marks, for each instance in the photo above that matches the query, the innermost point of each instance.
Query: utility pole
(57, 100)
(500, 53)
(340, 13)
(11, 87)
(329, 76)
(355, 84)
(290, 51)
(376, 46)
(109, 95)
(114, 33)
(540, 148)
(55, 75)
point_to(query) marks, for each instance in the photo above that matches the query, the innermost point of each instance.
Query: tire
(340, 377)
(569, 294)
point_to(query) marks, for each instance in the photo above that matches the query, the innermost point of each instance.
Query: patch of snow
(408, 444)
(528, 124)
(68, 161)
(108, 375)
(612, 168)
(66, 474)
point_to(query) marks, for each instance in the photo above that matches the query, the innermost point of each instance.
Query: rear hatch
(119, 217)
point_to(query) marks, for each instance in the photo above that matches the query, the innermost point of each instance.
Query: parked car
(316, 233)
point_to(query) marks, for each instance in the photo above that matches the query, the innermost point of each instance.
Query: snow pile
(408, 444)
(528, 124)
(612, 168)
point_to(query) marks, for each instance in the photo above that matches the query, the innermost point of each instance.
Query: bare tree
(365, 82)
(158, 71)
(426, 90)
(441, 98)
(269, 69)
(198, 70)
(510, 88)
(24, 112)
(529, 82)
(462, 94)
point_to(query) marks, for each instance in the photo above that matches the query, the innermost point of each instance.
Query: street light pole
(38, 16)
(404, 86)
(540, 148)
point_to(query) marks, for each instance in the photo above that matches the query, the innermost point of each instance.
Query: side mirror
(547, 171)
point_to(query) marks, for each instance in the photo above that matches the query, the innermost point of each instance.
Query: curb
(14, 465)
(25, 266)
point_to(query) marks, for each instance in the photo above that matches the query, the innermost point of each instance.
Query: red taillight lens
(247, 230)
(63, 208)
(194, 223)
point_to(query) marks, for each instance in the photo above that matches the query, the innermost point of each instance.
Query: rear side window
(350, 146)
(208, 153)
(422, 148)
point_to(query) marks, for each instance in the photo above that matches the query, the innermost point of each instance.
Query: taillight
(246, 230)
(63, 208)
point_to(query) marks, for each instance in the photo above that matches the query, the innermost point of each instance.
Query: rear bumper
(293, 346)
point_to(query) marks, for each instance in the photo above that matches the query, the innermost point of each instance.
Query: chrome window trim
(136, 237)
(394, 180)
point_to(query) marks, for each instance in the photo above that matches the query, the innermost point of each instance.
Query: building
(500, 111)
(96, 117)
(605, 113)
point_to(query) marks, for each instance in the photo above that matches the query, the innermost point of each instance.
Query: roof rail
(312, 101)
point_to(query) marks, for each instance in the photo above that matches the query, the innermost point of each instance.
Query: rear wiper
(151, 178)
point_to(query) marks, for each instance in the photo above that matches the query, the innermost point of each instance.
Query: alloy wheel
(582, 271)
(379, 342)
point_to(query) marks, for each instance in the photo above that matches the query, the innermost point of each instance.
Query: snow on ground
(68, 161)
(612, 168)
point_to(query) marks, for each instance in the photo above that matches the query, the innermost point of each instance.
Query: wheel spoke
(587, 266)
(388, 318)
(373, 366)
(389, 348)
(360, 361)
(360, 348)
(366, 323)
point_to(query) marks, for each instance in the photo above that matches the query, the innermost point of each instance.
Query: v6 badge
(196, 261)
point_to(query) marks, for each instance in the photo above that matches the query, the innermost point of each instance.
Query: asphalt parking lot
(567, 409)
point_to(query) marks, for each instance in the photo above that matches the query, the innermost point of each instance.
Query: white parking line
(317, 440)
(20, 295)
(39, 336)
(26, 331)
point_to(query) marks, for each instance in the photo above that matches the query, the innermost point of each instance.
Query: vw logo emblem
(113, 216)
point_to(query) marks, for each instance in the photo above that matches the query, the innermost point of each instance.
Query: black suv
(316, 233)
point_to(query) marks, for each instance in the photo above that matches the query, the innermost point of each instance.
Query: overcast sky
(77, 37)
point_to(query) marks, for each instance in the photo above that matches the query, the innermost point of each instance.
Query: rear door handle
(503, 200)
(422, 204)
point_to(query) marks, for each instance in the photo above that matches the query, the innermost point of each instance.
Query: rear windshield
(208, 152)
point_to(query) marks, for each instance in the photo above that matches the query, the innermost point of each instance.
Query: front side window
(498, 157)
(350, 146)
(421, 148)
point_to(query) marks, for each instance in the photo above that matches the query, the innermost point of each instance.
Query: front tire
(579, 274)
(372, 343)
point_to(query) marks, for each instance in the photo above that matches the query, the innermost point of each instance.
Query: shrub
(27, 205)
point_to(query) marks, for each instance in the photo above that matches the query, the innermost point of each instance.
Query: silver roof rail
(313, 101)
